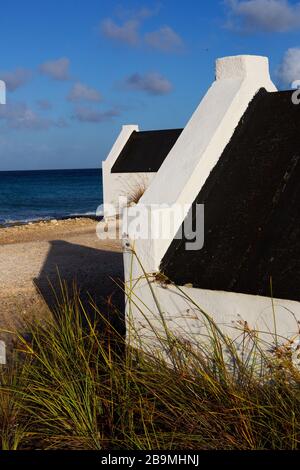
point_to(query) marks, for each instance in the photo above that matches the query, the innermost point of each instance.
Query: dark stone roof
(145, 151)
(252, 208)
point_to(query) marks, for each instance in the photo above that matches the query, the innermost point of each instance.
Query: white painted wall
(2, 352)
(118, 185)
(228, 310)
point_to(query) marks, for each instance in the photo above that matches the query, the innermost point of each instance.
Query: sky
(77, 70)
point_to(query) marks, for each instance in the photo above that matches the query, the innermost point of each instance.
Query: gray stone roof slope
(252, 208)
(145, 151)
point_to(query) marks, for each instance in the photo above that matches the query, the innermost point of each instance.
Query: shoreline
(46, 230)
(21, 223)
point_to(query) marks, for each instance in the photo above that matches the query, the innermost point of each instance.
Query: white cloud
(151, 83)
(289, 69)
(127, 32)
(56, 69)
(140, 14)
(264, 15)
(44, 105)
(87, 114)
(2, 92)
(165, 39)
(20, 116)
(16, 78)
(81, 92)
(60, 123)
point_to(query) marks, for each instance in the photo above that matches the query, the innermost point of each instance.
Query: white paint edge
(111, 192)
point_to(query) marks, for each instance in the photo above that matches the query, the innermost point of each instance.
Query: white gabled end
(130, 127)
(120, 142)
(111, 186)
(243, 66)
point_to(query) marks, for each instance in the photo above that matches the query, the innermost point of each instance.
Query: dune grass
(76, 385)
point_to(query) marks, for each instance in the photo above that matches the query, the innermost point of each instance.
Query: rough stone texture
(252, 209)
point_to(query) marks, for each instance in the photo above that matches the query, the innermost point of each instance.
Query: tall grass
(76, 385)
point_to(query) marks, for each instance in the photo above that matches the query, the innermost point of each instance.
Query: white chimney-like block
(243, 66)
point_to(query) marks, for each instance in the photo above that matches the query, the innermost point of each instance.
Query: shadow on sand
(94, 273)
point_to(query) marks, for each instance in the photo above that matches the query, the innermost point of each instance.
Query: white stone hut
(132, 163)
(239, 156)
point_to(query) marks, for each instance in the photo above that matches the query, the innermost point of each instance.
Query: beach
(32, 255)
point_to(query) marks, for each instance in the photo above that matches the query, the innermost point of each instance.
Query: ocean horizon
(35, 195)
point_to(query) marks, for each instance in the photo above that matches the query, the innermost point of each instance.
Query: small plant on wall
(135, 192)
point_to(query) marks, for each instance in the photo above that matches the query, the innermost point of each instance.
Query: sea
(29, 196)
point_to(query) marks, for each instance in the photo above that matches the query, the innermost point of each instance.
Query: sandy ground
(32, 255)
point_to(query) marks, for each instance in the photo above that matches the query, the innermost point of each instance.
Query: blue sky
(76, 70)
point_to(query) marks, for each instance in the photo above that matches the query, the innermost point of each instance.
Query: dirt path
(30, 257)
